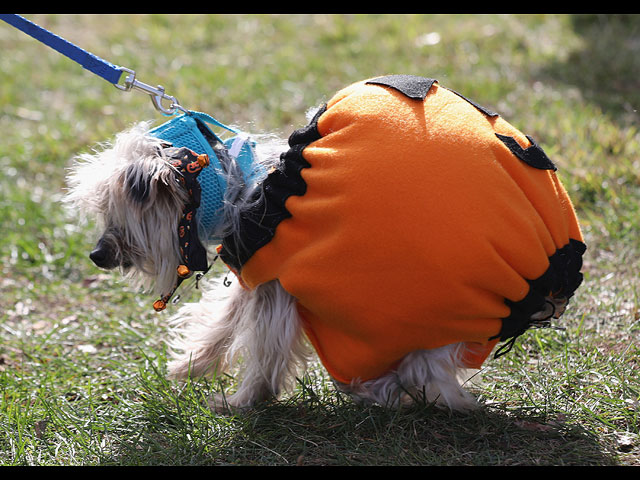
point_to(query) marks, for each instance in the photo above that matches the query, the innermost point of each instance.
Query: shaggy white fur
(141, 235)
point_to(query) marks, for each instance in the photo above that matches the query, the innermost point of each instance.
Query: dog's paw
(179, 369)
(240, 401)
(223, 405)
(218, 403)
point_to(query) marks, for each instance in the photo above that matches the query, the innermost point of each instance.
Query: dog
(399, 236)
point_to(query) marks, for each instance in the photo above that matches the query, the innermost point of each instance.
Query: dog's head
(135, 196)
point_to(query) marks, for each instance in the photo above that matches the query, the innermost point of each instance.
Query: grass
(82, 357)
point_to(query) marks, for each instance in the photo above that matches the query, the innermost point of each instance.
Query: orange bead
(203, 160)
(183, 271)
(159, 305)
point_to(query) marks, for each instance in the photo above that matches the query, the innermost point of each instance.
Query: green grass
(82, 356)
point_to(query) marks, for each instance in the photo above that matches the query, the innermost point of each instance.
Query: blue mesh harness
(190, 131)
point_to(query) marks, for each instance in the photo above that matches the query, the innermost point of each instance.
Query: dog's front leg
(205, 331)
(258, 328)
(272, 345)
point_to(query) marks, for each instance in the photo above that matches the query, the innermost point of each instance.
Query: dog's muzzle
(104, 255)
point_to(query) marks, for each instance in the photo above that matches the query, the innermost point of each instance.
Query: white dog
(401, 234)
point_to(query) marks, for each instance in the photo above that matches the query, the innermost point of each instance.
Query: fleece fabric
(407, 217)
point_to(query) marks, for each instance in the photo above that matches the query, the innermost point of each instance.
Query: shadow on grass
(373, 436)
(334, 431)
(607, 68)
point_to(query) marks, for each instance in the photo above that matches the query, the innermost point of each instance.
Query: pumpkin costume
(406, 217)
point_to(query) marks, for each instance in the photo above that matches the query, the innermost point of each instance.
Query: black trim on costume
(533, 155)
(484, 110)
(412, 86)
(560, 280)
(416, 88)
(258, 224)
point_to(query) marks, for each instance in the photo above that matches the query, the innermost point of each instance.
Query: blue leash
(93, 63)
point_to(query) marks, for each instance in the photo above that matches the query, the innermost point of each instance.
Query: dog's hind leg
(437, 376)
(426, 376)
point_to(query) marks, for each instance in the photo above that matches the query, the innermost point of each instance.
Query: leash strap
(94, 64)
(89, 61)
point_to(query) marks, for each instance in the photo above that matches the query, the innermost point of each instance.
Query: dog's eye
(138, 184)
(139, 190)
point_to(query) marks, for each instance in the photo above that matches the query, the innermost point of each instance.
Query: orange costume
(406, 217)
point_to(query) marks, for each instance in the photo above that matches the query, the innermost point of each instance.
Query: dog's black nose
(101, 257)
(98, 256)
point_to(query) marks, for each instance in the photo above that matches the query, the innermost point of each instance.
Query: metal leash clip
(157, 93)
